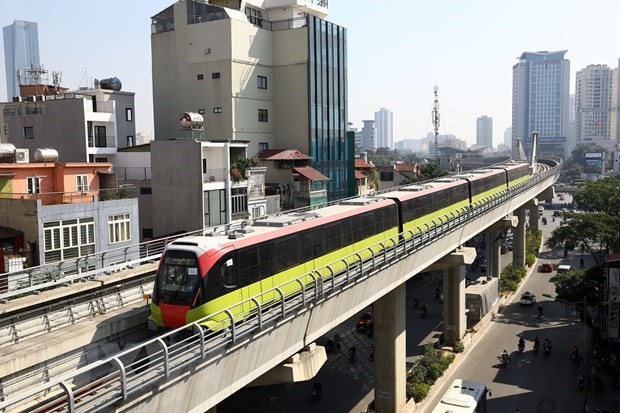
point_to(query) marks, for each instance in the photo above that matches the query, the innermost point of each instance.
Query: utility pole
(435, 118)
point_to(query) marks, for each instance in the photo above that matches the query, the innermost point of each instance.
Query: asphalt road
(532, 382)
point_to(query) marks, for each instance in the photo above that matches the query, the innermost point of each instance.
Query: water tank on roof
(7, 152)
(191, 120)
(112, 83)
(46, 155)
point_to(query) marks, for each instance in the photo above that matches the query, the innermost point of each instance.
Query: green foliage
(530, 259)
(238, 167)
(459, 347)
(511, 276)
(600, 196)
(430, 170)
(425, 371)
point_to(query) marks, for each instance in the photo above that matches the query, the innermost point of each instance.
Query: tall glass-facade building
(327, 67)
(540, 100)
(21, 51)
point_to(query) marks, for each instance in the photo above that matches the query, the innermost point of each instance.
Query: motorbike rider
(574, 352)
(581, 262)
(436, 292)
(547, 344)
(540, 310)
(505, 356)
(536, 343)
(317, 387)
(423, 310)
(521, 345)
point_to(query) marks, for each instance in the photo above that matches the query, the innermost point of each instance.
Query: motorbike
(352, 354)
(423, 311)
(521, 347)
(540, 312)
(547, 347)
(316, 390)
(504, 358)
(535, 348)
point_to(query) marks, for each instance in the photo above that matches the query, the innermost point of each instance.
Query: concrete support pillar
(518, 253)
(534, 220)
(494, 244)
(390, 348)
(454, 322)
(493, 252)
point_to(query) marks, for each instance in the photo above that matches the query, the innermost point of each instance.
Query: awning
(310, 173)
(359, 175)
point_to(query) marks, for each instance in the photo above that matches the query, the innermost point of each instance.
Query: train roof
(280, 225)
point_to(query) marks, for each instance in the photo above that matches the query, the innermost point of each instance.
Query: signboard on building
(594, 162)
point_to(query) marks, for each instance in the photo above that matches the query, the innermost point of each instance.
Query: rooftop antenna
(435, 117)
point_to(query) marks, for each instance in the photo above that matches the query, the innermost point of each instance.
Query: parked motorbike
(547, 346)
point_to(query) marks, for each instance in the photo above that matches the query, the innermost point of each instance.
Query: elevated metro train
(202, 275)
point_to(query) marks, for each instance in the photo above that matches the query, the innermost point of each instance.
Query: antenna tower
(35, 76)
(435, 117)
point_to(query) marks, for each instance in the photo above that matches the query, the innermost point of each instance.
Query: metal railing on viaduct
(184, 371)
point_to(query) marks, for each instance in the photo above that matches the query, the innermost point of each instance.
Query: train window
(345, 230)
(249, 271)
(305, 240)
(287, 253)
(317, 242)
(332, 237)
(227, 272)
(178, 277)
(267, 258)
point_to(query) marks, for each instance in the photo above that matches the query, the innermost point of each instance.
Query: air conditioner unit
(22, 156)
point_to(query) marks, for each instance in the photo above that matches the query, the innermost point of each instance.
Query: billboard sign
(613, 312)
(594, 162)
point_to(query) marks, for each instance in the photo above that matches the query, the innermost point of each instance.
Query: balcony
(59, 198)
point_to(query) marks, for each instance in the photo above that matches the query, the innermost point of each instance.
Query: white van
(541, 209)
(563, 268)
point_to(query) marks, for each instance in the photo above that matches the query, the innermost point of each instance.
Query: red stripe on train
(174, 315)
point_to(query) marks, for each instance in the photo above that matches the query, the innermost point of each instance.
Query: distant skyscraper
(508, 137)
(484, 131)
(21, 51)
(593, 105)
(540, 99)
(384, 125)
(369, 135)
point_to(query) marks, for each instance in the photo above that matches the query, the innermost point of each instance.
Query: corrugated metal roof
(310, 173)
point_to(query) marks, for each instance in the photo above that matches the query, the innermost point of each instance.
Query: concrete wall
(20, 214)
(100, 211)
(177, 186)
(61, 126)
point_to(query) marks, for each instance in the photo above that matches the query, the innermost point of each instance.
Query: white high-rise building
(593, 105)
(384, 125)
(540, 101)
(484, 131)
(21, 51)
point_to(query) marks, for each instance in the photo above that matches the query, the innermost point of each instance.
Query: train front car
(177, 283)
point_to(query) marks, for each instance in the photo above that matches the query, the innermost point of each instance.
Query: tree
(428, 171)
(596, 230)
(600, 196)
(574, 285)
(579, 153)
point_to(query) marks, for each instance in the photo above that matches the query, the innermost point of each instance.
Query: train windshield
(178, 277)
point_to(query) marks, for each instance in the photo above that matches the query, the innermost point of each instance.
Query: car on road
(527, 298)
(365, 322)
(562, 198)
(557, 213)
(563, 268)
(546, 267)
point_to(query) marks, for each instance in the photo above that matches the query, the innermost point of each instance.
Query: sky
(396, 53)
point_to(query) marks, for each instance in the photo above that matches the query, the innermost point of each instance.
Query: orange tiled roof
(281, 155)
